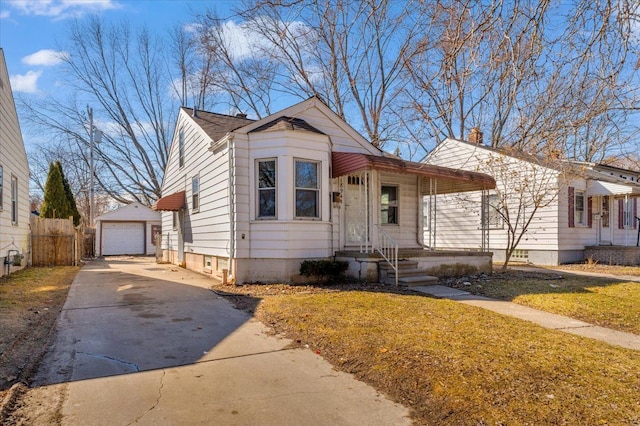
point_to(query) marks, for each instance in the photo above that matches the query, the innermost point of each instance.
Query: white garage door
(122, 238)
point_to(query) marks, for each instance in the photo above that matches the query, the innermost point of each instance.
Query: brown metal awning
(448, 180)
(171, 203)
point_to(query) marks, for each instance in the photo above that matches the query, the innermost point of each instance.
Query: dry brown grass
(30, 301)
(456, 364)
(605, 301)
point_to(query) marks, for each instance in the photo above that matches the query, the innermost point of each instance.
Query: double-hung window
(14, 199)
(579, 209)
(195, 193)
(307, 188)
(389, 204)
(266, 188)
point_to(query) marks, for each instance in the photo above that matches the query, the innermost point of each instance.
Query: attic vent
(241, 115)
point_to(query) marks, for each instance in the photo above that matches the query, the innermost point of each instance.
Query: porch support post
(484, 219)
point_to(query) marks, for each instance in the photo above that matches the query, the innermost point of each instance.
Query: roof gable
(11, 140)
(130, 212)
(287, 123)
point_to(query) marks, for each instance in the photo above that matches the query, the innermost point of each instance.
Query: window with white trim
(389, 205)
(195, 193)
(266, 176)
(579, 208)
(628, 213)
(307, 189)
(14, 199)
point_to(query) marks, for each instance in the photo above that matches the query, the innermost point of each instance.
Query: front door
(356, 210)
(604, 231)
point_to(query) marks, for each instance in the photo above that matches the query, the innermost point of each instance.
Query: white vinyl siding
(14, 204)
(459, 216)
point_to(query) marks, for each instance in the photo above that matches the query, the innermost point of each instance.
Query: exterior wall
(549, 239)
(14, 235)
(206, 229)
(405, 233)
(459, 215)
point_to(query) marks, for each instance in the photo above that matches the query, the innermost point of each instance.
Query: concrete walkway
(544, 319)
(146, 344)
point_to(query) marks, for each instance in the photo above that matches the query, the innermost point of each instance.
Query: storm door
(357, 208)
(604, 232)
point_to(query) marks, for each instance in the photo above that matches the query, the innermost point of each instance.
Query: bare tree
(534, 74)
(524, 187)
(124, 78)
(350, 54)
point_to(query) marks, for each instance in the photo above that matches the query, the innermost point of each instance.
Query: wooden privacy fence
(55, 242)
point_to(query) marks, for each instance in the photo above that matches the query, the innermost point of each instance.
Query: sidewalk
(544, 319)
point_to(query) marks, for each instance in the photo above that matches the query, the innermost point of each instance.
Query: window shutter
(572, 214)
(620, 213)
(635, 213)
(590, 212)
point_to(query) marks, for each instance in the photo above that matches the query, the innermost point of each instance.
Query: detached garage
(128, 230)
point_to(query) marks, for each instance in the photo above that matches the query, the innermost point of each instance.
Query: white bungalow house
(14, 182)
(589, 210)
(129, 230)
(249, 200)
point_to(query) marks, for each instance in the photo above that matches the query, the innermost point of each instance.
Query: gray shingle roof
(217, 125)
(287, 123)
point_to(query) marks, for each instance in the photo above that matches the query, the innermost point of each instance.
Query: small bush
(325, 269)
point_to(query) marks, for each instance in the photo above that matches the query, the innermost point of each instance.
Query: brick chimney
(475, 136)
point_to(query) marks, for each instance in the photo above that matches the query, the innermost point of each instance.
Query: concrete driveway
(142, 343)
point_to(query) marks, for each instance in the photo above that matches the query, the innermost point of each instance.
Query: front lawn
(457, 364)
(608, 302)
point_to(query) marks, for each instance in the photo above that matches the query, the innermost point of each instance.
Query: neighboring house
(256, 198)
(591, 210)
(128, 230)
(14, 182)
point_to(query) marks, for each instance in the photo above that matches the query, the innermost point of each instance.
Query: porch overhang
(601, 187)
(171, 203)
(448, 180)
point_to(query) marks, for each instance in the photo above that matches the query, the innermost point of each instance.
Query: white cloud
(45, 57)
(62, 8)
(4, 14)
(26, 83)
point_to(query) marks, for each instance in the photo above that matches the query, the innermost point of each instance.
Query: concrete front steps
(408, 274)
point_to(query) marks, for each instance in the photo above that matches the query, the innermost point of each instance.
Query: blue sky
(31, 30)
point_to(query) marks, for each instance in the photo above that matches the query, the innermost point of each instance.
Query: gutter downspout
(232, 210)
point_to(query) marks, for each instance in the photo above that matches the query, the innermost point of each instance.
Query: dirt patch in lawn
(30, 302)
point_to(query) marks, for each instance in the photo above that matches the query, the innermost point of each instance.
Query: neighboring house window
(267, 188)
(0, 188)
(579, 208)
(174, 222)
(195, 192)
(389, 205)
(627, 212)
(307, 184)
(156, 232)
(14, 199)
(491, 207)
(181, 148)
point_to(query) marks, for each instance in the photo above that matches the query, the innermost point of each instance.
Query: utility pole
(91, 195)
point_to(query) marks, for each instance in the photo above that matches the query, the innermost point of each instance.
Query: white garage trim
(122, 238)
